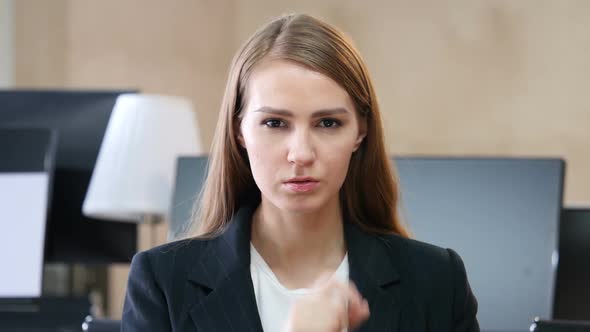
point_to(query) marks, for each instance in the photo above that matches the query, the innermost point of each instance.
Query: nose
(301, 149)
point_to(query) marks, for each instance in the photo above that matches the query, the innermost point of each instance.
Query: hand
(332, 306)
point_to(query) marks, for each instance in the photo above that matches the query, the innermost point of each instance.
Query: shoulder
(420, 253)
(171, 259)
(431, 268)
(437, 279)
(156, 288)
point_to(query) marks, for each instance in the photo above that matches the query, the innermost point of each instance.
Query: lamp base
(147, 237)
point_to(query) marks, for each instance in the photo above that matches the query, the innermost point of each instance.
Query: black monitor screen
(81, 118)
(572, 292)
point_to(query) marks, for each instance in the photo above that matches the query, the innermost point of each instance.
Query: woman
(298, 224)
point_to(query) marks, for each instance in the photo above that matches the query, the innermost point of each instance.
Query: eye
(329, 123)
(274, 123)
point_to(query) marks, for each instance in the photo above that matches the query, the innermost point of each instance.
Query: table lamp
(133, 175)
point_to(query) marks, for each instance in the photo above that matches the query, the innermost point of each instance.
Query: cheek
(263, 155)
(260, 148)
(337, 156)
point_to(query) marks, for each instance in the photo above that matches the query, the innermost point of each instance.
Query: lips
(302, 179)
(301, 184)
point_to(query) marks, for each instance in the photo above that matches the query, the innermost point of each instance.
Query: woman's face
(300, 129)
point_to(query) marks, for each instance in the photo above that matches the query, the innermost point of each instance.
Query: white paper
(23, 213)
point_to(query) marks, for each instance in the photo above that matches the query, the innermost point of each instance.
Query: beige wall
(453, 77)
(471, 77)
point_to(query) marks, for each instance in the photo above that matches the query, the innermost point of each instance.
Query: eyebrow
(316, 114)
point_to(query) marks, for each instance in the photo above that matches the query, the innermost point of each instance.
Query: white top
(272, 298)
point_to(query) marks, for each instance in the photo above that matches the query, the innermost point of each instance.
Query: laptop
(560, 326)
(26, 167)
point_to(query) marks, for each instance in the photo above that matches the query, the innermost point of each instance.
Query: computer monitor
(502, 217)
(27, 159)
(190, 175)
(80, 118)
(572, 291)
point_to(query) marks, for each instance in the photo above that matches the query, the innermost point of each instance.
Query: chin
(301, 204)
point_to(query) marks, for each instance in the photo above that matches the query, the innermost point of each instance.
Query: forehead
(288, 85)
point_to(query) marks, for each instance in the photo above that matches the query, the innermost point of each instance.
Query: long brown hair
(369, 195)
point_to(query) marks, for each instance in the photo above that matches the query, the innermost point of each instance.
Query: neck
(314, 239)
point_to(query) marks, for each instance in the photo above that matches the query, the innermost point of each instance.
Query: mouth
(301, 184)
(301, 179)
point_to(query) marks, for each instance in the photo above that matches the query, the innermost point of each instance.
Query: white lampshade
(134, 172)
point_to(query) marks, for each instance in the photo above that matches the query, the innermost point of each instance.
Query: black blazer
(205, 285)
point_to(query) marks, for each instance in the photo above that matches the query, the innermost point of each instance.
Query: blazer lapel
(377, 279)
(224, 272)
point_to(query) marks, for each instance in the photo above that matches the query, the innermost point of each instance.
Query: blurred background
(453, 78)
